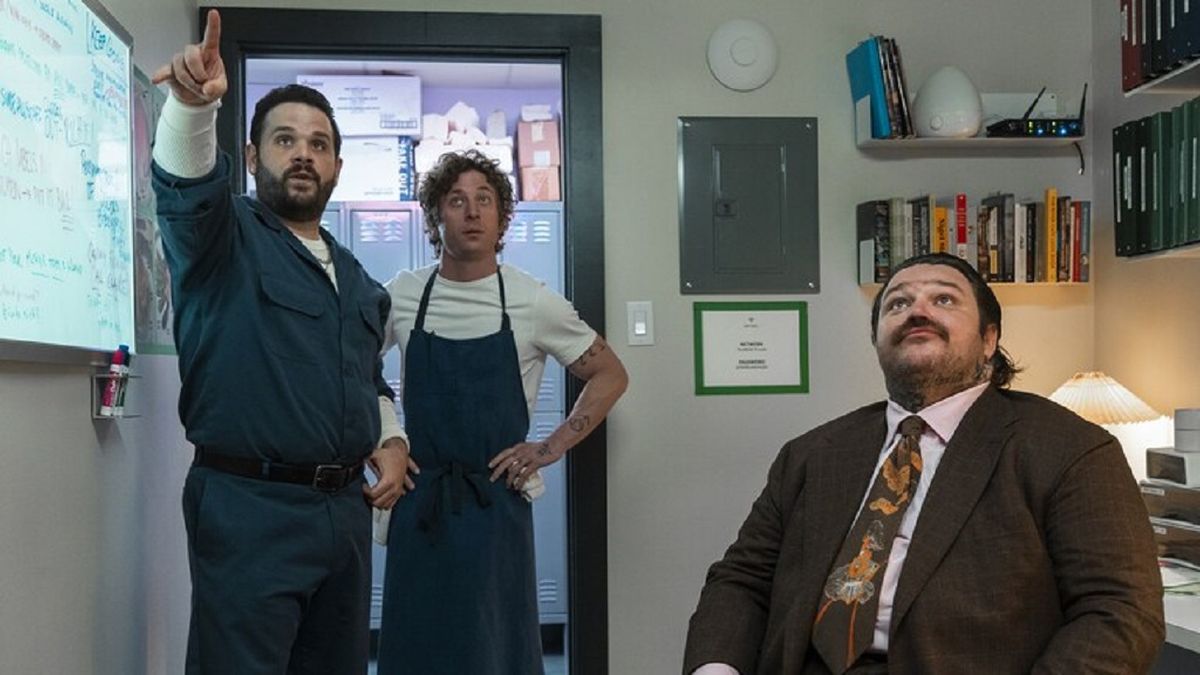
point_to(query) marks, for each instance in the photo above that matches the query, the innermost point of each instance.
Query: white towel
(533, 488)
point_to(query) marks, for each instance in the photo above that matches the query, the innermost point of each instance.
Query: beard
(917, 382)
(273, 192)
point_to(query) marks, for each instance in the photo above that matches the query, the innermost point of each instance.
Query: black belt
(322, 477)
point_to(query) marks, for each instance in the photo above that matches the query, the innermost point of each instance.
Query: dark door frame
(573, 39)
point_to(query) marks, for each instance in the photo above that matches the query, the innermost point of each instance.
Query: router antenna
(1034, 104)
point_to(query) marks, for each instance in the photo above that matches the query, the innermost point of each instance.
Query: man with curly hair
(460, 590)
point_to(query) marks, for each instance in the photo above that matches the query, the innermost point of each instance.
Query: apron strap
(449, 484)
(420, 323)
(505, 323)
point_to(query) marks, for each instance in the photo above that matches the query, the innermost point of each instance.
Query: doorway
(257, 40)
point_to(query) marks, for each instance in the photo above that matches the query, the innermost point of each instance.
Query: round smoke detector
(742, 54)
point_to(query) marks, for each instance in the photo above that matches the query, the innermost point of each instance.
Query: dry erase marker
(123, 383)
(113, 383)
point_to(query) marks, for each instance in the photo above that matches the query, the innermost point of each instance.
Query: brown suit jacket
(1033, 552)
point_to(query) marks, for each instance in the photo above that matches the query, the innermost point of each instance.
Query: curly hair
(1003, 367)
(440, 179)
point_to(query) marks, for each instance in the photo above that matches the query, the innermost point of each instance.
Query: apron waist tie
(449, 483)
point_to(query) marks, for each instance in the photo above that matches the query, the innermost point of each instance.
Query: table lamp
(1098, 398)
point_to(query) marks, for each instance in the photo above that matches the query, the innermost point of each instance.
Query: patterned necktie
(845, 623)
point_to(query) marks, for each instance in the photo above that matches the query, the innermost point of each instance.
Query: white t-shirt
(543, 322)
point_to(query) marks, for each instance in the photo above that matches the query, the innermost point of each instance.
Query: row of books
(877, 81)
(1006, 240)
(1157, 37)
(1156, 197)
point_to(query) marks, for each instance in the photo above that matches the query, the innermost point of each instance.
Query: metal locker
(534, 242)
(550, 529)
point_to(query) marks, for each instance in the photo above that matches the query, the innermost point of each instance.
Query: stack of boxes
(378, 116)
(539, 155)
(1172, 490)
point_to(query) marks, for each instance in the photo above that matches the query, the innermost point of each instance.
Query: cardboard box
(537, 144)
(540, 184)
(378, 168)
(371, 105)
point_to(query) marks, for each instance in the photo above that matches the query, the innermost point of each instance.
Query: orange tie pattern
(845, 623)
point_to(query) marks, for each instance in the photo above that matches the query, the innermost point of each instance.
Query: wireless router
(1025, 127)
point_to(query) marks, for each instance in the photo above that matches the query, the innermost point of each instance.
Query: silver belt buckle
(329, 477)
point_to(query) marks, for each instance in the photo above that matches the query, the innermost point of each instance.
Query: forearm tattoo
(579, 422)
(543, 449)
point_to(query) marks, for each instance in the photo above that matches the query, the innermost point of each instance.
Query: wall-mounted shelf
(1183, 80)
(983, 145)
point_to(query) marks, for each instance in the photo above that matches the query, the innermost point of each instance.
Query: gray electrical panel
(748, 218)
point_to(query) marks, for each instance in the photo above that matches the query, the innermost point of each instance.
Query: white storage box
(1187, 429)
(371, 105)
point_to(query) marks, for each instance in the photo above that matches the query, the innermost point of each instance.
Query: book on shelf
(941, 229)
(1063, 240)
(1050, 251)
(864, 67)
(891, 230)
(878, 86)
(874, 241)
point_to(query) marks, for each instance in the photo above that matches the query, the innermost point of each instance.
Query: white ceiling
(526, 75)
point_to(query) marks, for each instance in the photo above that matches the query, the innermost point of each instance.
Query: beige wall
(1147, 310)
(682, 469)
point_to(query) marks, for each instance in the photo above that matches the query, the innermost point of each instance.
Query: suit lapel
(962, 475)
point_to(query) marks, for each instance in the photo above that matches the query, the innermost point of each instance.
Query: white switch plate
(640, 322)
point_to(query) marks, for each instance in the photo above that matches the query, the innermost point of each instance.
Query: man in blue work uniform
(278, 330)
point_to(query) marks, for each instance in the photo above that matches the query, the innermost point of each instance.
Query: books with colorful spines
(1051, 234)
(874, 241)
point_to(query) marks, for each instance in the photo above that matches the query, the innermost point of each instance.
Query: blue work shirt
(275, 362)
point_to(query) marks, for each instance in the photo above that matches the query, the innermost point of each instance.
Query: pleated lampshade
(1098, 398)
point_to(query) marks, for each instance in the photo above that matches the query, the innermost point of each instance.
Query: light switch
(640, 322)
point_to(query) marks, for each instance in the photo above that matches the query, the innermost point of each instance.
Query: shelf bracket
(1080, 151)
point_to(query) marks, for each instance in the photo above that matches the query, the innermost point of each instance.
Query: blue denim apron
(459, 592)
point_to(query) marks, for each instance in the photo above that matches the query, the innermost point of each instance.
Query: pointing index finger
(212, 31)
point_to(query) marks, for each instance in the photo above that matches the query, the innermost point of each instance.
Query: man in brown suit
(1023, 547)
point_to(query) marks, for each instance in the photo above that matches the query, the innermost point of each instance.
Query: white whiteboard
(66, 181)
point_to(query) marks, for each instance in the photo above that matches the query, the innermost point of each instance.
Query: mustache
(301, 172)
(919, 322)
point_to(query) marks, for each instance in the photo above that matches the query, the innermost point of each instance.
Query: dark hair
(441, 178)
(1003, 368)
(293, 93)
